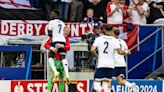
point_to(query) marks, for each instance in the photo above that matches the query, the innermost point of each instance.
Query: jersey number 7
(59, 25)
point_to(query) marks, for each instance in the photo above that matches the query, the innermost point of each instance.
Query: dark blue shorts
(103, 73)
(60, 50)
(120, 71)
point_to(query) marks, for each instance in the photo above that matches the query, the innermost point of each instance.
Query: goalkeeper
(57, 66)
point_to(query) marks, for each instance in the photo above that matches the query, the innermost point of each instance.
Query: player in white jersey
(106, 46)
(56, 30)
(120, 64)
(56, 27)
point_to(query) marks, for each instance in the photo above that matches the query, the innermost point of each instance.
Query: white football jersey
(119, 59)
(106, 46)
(57, 27)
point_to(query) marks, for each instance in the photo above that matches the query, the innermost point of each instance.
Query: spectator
(62, 6)
(155, 11)
(76, 10)
(126, 18)
(115, 12)
(139, 10)
(47, 8)
(90, 19)
(20, 60)
(98, 7)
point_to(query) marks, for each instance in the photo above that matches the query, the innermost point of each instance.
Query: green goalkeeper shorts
(59, 67)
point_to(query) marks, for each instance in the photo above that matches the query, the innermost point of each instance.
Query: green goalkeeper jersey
(59, 67)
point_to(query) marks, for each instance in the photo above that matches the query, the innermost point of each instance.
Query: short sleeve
(116, 44)
(124, 44)
(108, 8)
(96, 42)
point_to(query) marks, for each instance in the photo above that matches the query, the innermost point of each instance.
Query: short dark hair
(116, 31)
(108, 27)
(56, 11)
(97, 26)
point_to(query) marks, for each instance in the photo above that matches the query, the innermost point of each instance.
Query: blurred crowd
(107, 11)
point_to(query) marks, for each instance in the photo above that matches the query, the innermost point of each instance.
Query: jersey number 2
(59, 25)
(106, 46)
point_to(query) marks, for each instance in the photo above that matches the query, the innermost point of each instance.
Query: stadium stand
(21, 9)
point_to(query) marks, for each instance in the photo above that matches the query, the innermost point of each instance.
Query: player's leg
(50, 83)
(61, 84)
(120, 73)
(126, 83)
(54, 75)
(53, 67)
(62, 53)
(98, 77)
(65, 65)
(97, 85)
(60, 69)
(107, 84)
(66, 70)
(121, 79)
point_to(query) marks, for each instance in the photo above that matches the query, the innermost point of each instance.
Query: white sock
(109, 90)
(97, 86)
(52, 65)
(65, 65)
(128, 84)
(105, 86)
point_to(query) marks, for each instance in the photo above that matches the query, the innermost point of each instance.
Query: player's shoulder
(98, 38)
(102, 37)
(107, 37)
(51, 21)
(121, 40)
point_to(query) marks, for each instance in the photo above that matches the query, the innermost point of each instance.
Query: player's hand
(59, 45)
(118, 7)
(54, 49)
(101, 18)
(136, 2)
(85, 19)
(128, 52)
(160, 7)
